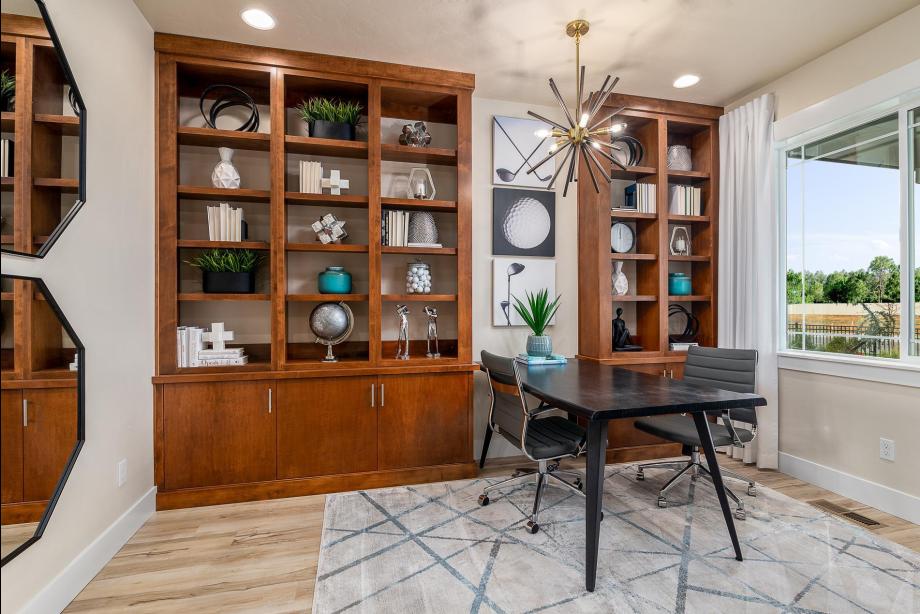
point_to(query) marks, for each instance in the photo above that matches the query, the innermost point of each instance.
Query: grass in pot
(330, 118)
(227, 271)
(537, 313)
(7, 91)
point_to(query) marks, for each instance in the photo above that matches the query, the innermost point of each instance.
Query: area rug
(432, 548)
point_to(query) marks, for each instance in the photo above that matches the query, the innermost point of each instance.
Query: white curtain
(748, 247)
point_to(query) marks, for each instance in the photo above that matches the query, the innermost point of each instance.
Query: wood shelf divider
(211, 137)
(329, 200)
(243, 195)
(204, 244)
(628, 256)
(431, 251)
(419, 155)
(203, 296)
(327, 247)
(325, 147)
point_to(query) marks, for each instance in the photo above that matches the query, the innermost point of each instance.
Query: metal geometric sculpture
(329, 229)
(582, 136)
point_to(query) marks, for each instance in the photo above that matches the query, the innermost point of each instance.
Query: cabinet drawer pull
(373, 399)
(25, 412)
(382, 393)
(269, 399)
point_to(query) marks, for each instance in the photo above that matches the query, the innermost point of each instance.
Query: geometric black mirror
(43, 153)
(42, 409)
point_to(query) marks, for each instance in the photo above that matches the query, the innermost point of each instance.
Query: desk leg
(702, 429)
(594, 481)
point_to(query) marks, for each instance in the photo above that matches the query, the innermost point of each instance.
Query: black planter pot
(322, 129)
(229, 283)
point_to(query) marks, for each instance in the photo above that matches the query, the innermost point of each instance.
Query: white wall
(501, 340)
(101, 273)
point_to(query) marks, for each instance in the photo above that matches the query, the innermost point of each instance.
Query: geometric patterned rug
(432, 548)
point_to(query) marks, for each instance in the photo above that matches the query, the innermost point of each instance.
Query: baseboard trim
(58, 593)
(884, 498)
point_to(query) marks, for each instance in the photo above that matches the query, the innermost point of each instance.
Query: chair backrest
(507, 406)
(727, 369)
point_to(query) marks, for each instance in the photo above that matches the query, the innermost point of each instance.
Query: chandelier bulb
(583, 122)
(542, 133)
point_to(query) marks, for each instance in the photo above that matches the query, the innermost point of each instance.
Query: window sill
(900, 372)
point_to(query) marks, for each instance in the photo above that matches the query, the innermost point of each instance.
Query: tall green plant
(538, 311)
(330, 110)
(8, 89)
(226, 260)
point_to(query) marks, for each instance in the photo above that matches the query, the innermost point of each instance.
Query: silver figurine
(432, 314)
(402, 343)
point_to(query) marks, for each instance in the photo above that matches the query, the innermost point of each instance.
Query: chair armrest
(727, 421)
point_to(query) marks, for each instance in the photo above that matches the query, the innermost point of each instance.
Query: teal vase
(335, 280)
(539, 345)
(679, 284)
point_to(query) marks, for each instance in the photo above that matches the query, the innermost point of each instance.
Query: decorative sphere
(526, 224)
(329, 321)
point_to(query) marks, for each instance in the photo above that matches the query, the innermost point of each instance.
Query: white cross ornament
(335, 183)
(217, 336)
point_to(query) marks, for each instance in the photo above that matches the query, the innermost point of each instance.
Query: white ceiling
(514, 45)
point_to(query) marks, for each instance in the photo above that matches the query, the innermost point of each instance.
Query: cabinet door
(48, 438)
(326, 426)
(218, 433)
(424, 420)
(676, 370)
(10, 446)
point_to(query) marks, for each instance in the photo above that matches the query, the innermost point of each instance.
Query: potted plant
(7, 90)
(330, 118)
(537, 313)
(227, 271)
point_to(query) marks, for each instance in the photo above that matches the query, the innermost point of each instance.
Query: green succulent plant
(538, 311)
(330, 110)
(8, 89)
(226, 260)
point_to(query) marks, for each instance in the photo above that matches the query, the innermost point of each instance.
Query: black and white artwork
(514, 277)
(523, 222)
(516, 149)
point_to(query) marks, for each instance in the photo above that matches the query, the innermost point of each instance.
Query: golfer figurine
(402, 343)
(432, 314)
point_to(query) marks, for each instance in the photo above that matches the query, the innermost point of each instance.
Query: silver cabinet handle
(671, 373)
(664, 373)
(382, 393)
(269, 399)
(373, 399)
(25, 411)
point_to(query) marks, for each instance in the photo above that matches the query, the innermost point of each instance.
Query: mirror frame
(80, 110)
(81, 418)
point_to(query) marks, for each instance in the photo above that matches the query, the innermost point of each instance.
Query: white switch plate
(121, 472)
(886, 449)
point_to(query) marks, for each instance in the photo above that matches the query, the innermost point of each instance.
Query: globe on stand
(332, 323)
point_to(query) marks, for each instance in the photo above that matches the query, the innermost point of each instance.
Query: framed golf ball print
(523, 222)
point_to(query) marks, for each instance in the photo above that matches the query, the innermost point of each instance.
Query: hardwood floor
(261, 556)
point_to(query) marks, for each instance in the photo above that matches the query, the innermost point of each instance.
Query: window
(845, 196)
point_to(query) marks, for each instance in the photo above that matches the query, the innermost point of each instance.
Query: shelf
(418, 204)
(422, 155)
(201, 296)
(674, 174)
(635, 298)
(417, 298)
(433, 251)
(694, 298)
(688, 219)
(210, 137)
(6, 296)
(6, 183)
(8, 121)
(325, 147)
(252, 365)
(355, 201)
(67, 125)
(624, 214)
(321, 298)
(327, 247)
(194, 192)
(632, 172)
(688, 258)
(633, 256)
(6, 239)
(67, 186)
(195, 243)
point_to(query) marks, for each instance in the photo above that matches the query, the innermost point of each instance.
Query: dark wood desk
(600, 393)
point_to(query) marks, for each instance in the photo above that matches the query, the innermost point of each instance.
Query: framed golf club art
(514, 277)
(516, 149)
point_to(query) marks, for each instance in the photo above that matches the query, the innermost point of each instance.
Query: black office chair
(719, 368)
(543, 438)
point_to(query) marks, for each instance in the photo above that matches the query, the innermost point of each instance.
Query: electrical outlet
(121, 472)
(886, 449)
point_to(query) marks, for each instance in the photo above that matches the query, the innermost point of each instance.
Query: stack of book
(6, 158)
(311, 177)
(685, 200)
(641, 197)
(190, 351)
(553, 359)
(394, 230)
(226, 223)
(682, 347)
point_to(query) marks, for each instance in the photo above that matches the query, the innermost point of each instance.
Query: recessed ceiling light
(259, 19)
(686, 81)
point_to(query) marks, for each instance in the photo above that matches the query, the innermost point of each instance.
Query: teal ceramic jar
(335, 280)
(679, 284)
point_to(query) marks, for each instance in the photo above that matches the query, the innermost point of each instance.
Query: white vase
(679, 158)
(225, 174)
(618, 279)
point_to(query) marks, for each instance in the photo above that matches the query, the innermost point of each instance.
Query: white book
(318, 179)
(183, 340)
(225, 353)
(405, 228)
(3, 158)
(424, 245)
(195, 344)
(179, 355)
(301, 175)
(221, 362)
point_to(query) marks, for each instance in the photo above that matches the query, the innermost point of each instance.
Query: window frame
(906, 368)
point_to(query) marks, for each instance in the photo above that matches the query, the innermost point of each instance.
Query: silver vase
(422, 228)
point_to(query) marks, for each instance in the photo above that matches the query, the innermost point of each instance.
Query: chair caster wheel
(483, 500)
(532, 527)
(752, 492)
(640, 476)
(740, 514)
(662, 502)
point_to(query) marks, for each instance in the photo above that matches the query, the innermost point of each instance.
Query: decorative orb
(526, 224)
(329, 321)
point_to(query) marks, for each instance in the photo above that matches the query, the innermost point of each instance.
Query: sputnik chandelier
(585, 137)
